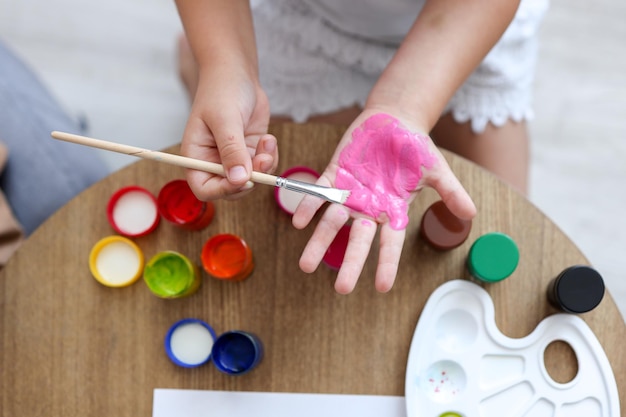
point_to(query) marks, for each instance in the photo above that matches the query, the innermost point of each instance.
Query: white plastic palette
(460, 363)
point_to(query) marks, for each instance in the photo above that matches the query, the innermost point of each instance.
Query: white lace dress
(318, 56)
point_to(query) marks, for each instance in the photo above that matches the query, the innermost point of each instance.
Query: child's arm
(446, 43)
(230, 114)
(220, 32)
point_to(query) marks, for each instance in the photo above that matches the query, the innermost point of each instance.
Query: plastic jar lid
(170, 274)
(333, 258)
(189, 342)
(179, 206)
(442, 229)
(116, 261)
(132, 211)
(226, 256)
(493, 257)
(578, 289)
(289, 200)
(236, 352)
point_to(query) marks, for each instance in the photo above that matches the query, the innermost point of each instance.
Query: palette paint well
(460, 363)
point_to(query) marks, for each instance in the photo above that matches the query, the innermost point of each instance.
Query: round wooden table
(70, 346)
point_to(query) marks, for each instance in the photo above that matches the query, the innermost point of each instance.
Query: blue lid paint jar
(189, 342)
(236, 352)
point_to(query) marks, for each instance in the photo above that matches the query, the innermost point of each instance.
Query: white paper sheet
(196, 403)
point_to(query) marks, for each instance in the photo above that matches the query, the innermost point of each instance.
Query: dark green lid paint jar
(493, 257)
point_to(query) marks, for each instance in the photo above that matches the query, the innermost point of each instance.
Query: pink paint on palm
(381, 167)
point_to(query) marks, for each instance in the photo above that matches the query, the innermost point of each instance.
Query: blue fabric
(42, 174)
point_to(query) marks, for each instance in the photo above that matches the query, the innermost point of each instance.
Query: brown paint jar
(443, 230)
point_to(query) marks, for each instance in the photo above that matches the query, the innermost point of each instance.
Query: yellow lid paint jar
(116, 261)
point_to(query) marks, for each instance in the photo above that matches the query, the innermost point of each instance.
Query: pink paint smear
(381, 167)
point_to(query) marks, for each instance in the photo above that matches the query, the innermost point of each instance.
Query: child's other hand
(228, 125)
(384, 164)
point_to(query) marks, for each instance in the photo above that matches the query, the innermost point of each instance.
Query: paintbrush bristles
(334, 195)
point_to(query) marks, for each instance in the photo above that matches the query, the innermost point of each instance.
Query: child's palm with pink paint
(384, 165)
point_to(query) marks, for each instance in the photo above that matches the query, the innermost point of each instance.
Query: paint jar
(189, 342)
(116, 261)
(132, 211)
(170, 274)
(443, 230)
(333, 258)
(228, 257)
(577, 289)
(236, 352)
(493, 257)
(179, 206)
(288, 200)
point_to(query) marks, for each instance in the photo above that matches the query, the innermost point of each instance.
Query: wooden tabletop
(72, 347)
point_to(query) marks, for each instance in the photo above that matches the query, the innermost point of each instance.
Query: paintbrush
(334, 195)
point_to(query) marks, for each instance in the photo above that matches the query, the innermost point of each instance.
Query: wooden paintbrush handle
(181, 161)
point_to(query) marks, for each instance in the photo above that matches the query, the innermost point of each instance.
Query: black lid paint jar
(577, 289)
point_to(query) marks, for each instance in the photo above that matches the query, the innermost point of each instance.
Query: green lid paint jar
(493, 257)
(170, 274)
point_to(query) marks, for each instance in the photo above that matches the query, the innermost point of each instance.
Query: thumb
(451, 191)
(228, 132)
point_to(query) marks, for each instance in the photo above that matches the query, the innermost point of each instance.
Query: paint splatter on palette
(461, 365)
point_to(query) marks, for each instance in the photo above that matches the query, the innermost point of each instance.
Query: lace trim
(295, 21)
(302, 81)
(494, 106)
(309, 68)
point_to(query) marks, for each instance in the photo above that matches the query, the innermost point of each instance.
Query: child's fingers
(210, 187)
(450, 189)
(362, 234)
(391, 242)
(323, 235)
(308, 207)
(228, 131)
(265, 158)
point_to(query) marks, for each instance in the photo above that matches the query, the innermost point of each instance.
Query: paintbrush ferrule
(334, 195)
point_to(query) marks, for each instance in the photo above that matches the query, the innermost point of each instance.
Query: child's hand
(384, 165)
(228, 125)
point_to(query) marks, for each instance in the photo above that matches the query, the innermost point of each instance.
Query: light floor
(114, 63)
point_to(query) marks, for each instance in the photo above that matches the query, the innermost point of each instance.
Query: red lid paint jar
(179, 206)
(228, 257)
(577, 289)
(333, 258)
(169, 274)
(288, 200)
(132, 211)
(443, 230)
